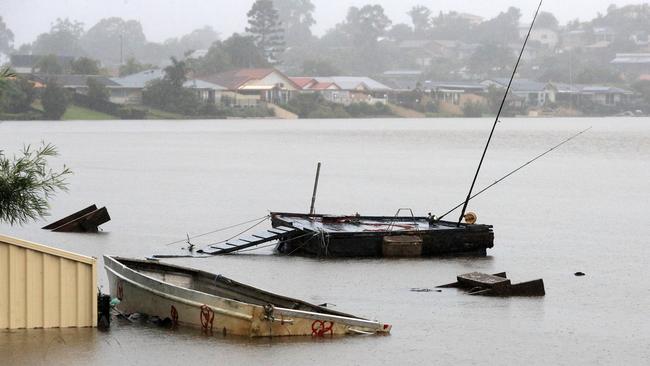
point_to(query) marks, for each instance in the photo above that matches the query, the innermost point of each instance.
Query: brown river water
(584, 207)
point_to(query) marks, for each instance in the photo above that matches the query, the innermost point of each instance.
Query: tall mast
(496, 120)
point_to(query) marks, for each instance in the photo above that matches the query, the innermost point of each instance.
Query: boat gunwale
(169, 296)
(350, 321)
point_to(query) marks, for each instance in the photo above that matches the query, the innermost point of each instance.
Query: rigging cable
(218, 230)
(516, 170)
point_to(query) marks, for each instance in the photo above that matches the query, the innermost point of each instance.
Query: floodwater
(582, 208)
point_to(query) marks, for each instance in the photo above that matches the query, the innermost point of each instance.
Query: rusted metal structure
(83, 221)
(216, 304)
(45, 287)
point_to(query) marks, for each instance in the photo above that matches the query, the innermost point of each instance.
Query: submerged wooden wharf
(364, 236)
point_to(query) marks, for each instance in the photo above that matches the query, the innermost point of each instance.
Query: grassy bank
(75, 112)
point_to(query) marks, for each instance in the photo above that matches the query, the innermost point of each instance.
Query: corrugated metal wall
(43, 287)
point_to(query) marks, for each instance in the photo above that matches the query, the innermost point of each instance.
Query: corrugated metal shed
(45, 287)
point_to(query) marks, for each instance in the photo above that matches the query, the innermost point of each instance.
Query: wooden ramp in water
(246, 241)
(250, 241)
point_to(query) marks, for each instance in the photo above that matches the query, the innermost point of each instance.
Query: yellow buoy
(471, 218)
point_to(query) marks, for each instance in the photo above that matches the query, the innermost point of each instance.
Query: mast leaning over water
(496, 120)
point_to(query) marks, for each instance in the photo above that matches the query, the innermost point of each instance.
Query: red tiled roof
(302, 82)
(323, 86)
(234, 79)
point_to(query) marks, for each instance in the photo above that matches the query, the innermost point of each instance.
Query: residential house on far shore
(132, 86)
(251, 87)
(403, 80)
(452, 96)
(74, 83)
(526, 93)
(632, 64)
(330, 91)
(346, 89)
(576, 95)
(545, 36)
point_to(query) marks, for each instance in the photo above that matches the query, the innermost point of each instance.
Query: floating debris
(84, 221)
(496, 285)
(424, 290)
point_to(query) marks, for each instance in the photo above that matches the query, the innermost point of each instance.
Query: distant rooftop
(141, 79)
(74, 81)
(354, 82)
(631, 58)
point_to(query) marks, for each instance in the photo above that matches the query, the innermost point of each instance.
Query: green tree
(55, 101)
(112, 39)
(49, 65)
(502, 29)
(17, 95)
(27, 183)
(132, 66)
(400, 32)
(319, 67)
(547, 20)
(85, 66)
(6, 38)
(643, 88)
(62, 40)
(452, 26)
(96, 90)
(197, 39)
(176, 73)
(367, 24)
(297, 19)
(491, 59)
(421, 19)
(243, 52)
(169, 94)
(265, 26)
(215, 61)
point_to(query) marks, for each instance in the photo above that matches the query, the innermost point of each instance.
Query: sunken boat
(218, 305)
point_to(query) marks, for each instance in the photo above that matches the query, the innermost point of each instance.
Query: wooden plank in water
(285, 228)
(265, 235)
(69, 218)
(86, 223)
(476, 279)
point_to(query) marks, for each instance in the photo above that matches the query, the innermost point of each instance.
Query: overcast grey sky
(162, 19)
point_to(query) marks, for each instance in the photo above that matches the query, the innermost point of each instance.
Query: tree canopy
(55, 101)
(297, 19)
(6, 37)
(27, 183)
(265, 26)
(112, 38)
(63, 39)
(421, 19)
(365, 25)
(85, 66)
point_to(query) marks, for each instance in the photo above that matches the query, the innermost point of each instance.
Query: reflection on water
(578, 209)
